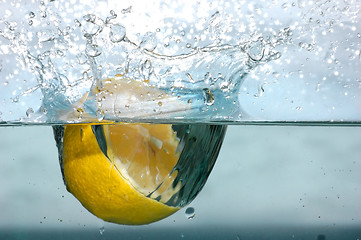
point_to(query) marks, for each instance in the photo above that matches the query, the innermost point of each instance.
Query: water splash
(64, 54)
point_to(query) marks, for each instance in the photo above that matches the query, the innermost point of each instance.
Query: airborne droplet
(117, 33)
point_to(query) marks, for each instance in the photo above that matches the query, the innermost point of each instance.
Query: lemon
(113, 183)
(134, 173)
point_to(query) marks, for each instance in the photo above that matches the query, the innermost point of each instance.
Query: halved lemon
(135, 173)
(113, 183)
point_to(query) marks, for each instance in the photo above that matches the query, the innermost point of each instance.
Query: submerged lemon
(113, 183)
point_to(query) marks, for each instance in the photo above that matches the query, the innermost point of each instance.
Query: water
(264, 62)
(269, 182)
(233, 62)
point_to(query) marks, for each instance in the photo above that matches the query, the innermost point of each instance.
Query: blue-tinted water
(268, 183)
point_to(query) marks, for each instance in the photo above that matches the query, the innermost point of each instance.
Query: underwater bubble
(190, 213)
(256, 50)
(117, 33)
(101, 230)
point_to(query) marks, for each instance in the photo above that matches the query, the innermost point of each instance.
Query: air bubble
(117, 33)
(31, 14)
(190, 213)
(101, 230)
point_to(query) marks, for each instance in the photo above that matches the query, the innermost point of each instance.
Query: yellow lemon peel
(97, 182)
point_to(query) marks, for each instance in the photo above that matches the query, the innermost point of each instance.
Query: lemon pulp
(114, 185)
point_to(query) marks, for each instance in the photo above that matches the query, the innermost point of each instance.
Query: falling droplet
(208, 96)
(117, 33)
(190, 213)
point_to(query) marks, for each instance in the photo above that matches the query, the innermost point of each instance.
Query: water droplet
(224, 85)
(117, 33)
(15, 100)
(190, 213)
(29, 112)
(89, 18)
(79, 113)
(31, 14)
(256, 50)
(148, 42)
(6, 83)
(46, 35)
(82, 59)
(101, 230)
(188, 45)
(77, 23)
(31, 22)
(208, 96)
(60, 53)
(127, 10)
(93, 50)
(260, 90)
